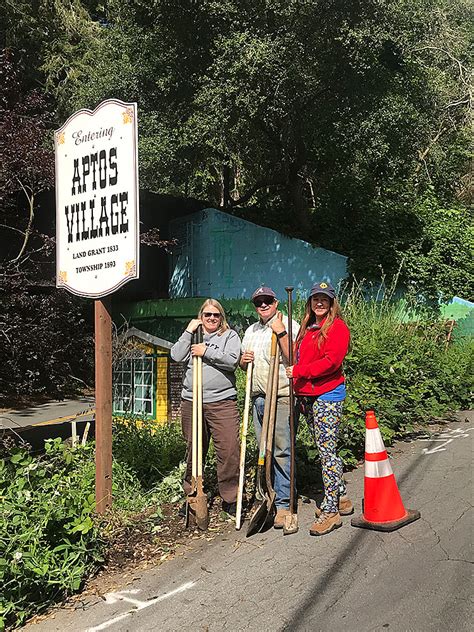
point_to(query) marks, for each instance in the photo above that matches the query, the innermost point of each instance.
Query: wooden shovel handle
(199, 339)
(194, 434)
(293, 504)
(243, 445)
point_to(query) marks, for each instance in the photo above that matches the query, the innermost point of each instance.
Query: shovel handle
(199, 339)
(293, 504)
(194, 417)
(243, 446)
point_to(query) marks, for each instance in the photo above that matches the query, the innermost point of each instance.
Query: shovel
(265, 495)
(243, 446)
(291, 520)
(271, 495)
(197, 511)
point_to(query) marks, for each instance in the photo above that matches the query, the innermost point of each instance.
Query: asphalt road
(416, 579)
(52, 412)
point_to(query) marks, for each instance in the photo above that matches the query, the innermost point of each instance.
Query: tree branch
(251, 192)
(31, 200)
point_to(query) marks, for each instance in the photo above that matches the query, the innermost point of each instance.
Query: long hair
(212, 301)
(309, 319)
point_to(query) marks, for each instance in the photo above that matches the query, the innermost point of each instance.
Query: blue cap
(323, 288)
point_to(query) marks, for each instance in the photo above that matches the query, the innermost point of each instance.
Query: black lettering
(102, 169)
(93, 164)
(70, 224)
(114, 201)
(76, 178)
(104, 219)
(85, 171)
(123, 212)
(85, 233)
(75, 209)
(113, 165)
(93, 229)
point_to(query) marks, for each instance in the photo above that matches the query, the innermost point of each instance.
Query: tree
(329, 120)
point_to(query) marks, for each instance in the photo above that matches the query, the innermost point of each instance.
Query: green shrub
(48, 540)
(405, 371)
(150, 450)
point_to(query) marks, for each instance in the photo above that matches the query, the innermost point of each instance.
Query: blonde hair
(212, 301)
(309, 319)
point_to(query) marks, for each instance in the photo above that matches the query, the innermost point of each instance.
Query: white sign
(97, 232)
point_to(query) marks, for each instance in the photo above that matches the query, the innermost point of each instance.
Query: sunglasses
(263, 301)
(211, 314)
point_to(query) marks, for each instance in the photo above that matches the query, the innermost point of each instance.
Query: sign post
(103, 404)
(97, 238)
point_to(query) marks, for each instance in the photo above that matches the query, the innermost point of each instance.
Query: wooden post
(103, 404)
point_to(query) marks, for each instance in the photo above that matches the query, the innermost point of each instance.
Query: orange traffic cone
(382, 507)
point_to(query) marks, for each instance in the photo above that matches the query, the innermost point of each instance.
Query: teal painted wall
(227, 257)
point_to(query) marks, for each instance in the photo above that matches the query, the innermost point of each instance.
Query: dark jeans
(281, 446)
(221, 421)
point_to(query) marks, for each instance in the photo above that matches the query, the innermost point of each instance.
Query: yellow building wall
(161, 388)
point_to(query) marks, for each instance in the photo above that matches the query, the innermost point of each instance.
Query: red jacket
(319, 369)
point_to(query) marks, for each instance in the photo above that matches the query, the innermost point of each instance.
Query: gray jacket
(218, 365)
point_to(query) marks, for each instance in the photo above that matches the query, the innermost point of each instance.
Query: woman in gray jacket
(220, 354)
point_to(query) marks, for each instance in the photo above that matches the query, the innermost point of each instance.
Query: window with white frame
(133, 386)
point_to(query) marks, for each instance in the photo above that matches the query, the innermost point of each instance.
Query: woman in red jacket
(318, 381)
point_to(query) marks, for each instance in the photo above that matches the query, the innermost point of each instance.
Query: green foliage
(405, 371)
(149, 450)
(439, 262)
(332, 121)
(48, 540)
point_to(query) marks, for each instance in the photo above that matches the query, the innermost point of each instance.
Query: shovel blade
(258, 519)
(291, 524)
(264, 512)
(198, 511)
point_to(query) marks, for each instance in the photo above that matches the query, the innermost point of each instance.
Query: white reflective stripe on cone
(378, 469)
(373, 441)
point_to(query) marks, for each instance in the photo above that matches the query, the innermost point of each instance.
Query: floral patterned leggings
(323, 419)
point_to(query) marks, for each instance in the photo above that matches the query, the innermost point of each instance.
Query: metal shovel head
(264, 512)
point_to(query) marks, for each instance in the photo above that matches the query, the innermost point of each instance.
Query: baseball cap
(263, 291)
(323, 288)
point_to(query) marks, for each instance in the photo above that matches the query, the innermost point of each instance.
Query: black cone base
(412, 515)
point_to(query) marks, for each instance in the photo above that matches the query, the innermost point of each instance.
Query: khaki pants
(221, 421)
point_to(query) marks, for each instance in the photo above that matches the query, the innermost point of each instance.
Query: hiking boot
(279, 521)
(346, 508)
(326, 523)
(229, 508)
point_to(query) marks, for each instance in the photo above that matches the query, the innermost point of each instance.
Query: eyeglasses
(263, 301)
(211, 314)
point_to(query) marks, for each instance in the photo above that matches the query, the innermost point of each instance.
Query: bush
(150, 450)
(405, 371)
(48, 540)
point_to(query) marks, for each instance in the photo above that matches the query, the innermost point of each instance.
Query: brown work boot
(326, 523)
(346, 508)
(279, 521)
